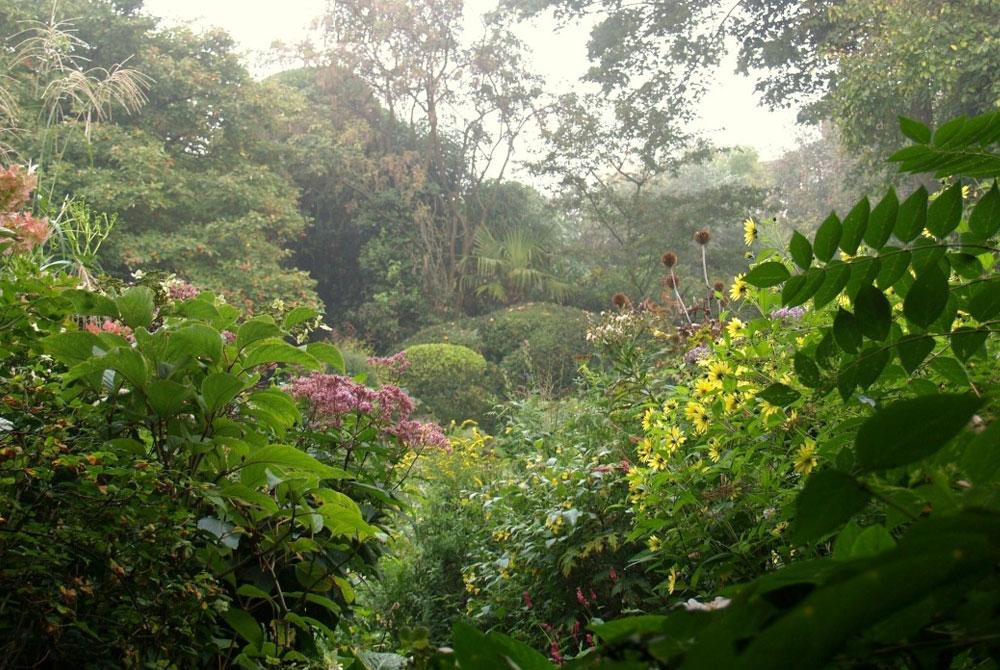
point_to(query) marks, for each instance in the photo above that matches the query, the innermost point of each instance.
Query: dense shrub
(453, 383)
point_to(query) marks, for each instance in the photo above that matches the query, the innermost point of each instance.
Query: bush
(452, 382)
(537, 345)
(463, 332)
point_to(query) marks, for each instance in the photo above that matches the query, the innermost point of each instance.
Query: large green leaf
(341, 515)
(829, 499)
(882, 221)
(981, 458)
(874, 313)
(779, 394)
(945, 213)
(915, 130)
(245, 626)
(767, 274)
(913, 350)
(219, 389)
(985, 218)
(800, 250)
(287, 459)
(136, 306)
(912, 429)
(256, 329)
(827, 238)
(854, 227)
(197, 341)
(278, 351)
(847, 331)
(912, 217)
(327, 353)
(837, 274)
(71, 347)
(927, 298)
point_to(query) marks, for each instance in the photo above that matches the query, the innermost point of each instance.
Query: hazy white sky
(729, 114)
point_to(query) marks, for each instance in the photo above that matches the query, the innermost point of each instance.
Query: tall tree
(469, 102)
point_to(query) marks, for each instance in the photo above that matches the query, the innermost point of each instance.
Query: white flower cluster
(615, 328)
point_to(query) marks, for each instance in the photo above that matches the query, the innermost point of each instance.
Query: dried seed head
(669, 259)
(620, 300)
(719, 286)
(702, 237)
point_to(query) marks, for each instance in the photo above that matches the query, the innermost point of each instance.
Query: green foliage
(453, 383)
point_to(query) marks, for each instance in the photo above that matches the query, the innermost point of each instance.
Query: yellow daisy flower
(739, 289)
(654, 544)
(805, 459)
(714, 450)
(704, 387)
(750, 231)
(647, 419)
(730, 402)
(768, 410)
(735, 328)
(672, 581)
(719, 371)
(657, 463)
(675, 439)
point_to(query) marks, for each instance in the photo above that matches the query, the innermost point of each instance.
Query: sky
(729, 114)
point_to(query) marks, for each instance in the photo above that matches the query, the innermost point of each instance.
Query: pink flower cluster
(178, 289)
(332, 397)
(112, 327)
(29, 232)
(390, 367)
(16, 186)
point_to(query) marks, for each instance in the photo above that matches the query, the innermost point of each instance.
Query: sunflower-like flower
(698, 415)
(675, 439)
(750, 231)
(714, 450)
(805, 458)
(654, 543)
(735, 328)
(719, 371)
(730, 402)
(739, 288)
(704, 387)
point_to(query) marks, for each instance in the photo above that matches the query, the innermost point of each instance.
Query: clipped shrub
(536, 345)
(452, 382)
(463, 332)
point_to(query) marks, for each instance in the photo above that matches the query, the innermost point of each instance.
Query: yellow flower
(647, 419)
(730, 402)
(693, 409)
(714, 450)
(675, 439)
(768, 410)
(719, 371)
(800, 342)
(735, 328)
(805, 459)
(739, 289)
(645, 448)
(750, 231)
(653, 543)
(657, 463)
(704, 387)
(670, 405)
(672, 581)
(844, 301)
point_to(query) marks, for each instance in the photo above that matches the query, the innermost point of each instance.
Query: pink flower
(228, 336)
(29, 232)
(16, 186)
(554, 652)
(613, 574)
(179, 289)
(589, 639)
(112, 327)
(395, 364)
(580, 598)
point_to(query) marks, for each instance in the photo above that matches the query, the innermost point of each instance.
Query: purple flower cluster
(181, 290)
(395, 365)
(332, 397)
(696, 354)
(794, 313)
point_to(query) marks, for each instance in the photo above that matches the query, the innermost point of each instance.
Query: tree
(467, 103)
(195, 177)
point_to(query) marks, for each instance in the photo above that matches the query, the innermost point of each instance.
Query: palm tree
(508, 269)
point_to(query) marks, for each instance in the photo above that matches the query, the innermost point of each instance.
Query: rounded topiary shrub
(462, 332)
(536, 345)
(452, 382)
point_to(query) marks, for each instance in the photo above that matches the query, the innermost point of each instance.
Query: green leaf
(893, 264)
(287, 459)
(985, 218)
(912, 217)
(913, 349)
(327, 353)
(281, 409)
(167, 397)
(910, 430)
(798, 289)
(88, 303)
(219, 389)
(870, 364)
(341, 515)
(767, 274)
(882, 220)
(854, 227)
(245, 626)
(196, 340)
(965, 342)
(72, 347)
(801, 250)
(950, 369)
(981, 458)
(927, 298)
(828, 500)
(915, 130)
(299, 315)
(278, 351)
(779, 394)
(130, 364)
(136, 306)
(827, 238)
(847, 331)
(945, 213)
(837, 274)
(873, 312)
(807, 370)
(256, 329)
(985, 302)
